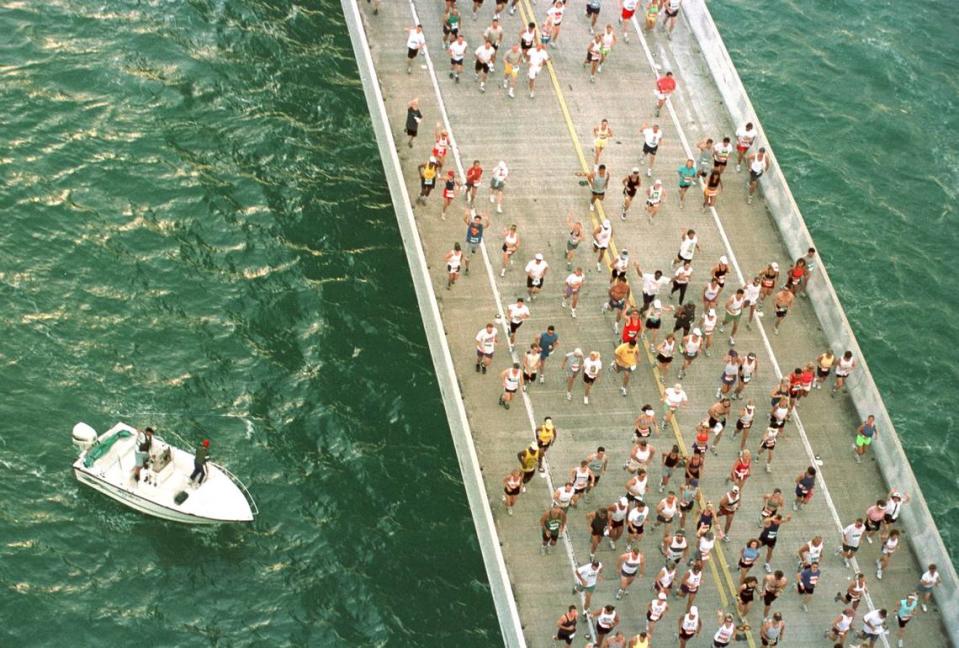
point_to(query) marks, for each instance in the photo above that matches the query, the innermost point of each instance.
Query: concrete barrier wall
(500, 587)
(916, 519)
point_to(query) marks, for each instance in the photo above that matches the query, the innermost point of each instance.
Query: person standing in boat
(142, 454)
(199, 462)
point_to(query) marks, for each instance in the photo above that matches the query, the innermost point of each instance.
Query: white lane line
(491, 276)
(762, 331)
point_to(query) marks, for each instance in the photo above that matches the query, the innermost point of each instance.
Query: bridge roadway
(545, 141)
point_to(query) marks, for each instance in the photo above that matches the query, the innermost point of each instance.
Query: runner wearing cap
(655, 611)
(673, 399)
(620, 266)
(572, 364)
(690, 625)
(690, 346)
(655, 195)
(601, 237)
(687, 176)
(652, 136)
(535, 274)
(631, 184)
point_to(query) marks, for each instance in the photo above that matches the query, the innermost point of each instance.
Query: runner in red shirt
(633, 326)
(473, 175)
(665, 86)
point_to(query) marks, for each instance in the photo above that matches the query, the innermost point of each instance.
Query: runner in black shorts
(566, 626)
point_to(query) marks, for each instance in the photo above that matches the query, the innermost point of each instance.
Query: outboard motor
(84, 436)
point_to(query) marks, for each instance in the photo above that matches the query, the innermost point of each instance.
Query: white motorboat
(164, 489)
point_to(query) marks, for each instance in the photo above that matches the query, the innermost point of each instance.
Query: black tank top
(598, 524)
(770, 532)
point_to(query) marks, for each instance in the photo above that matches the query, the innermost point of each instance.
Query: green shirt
(686, 175)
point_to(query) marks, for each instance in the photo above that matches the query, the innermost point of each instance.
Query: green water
(197, 235)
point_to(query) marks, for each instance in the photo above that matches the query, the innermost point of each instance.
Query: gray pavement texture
(532, 136)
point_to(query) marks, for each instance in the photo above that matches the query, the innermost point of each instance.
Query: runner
(635, 522)
(907, 609)
(824, 363)
(810, 552)
(705, 163)
(587, 576)
(768, 537)
(592, 13)
(691, 345)
(575, 237)
(728, 505)
(597, 462)
(665, 349)
(784, 299)
(746, 595)
(451, 24)
(592, 368)
(609, 40)
(796, 274)
(512, 484)
(652, 137)
(583, 479)
(473, 176)
(773, 585)
(665, 87)
(512, 60)
(527, 37)
(675, 547)
(428, 173)
(745, 423)
(742, 468)
(851, 539)
(671, 12)
(572, 365)
(752, 292)
(714, 184)
(653, 282)
(805, 483)
(681, 278)
(530, 365)
(688, 246)
(601, 238)
(620, 266)
(721, 153)
(528, 458)
(598, 522)
(474, 236)
(689, 586)
(732, 311)
(873, 519)
(510, 245)
(684, 317)
(637, 485)
(889, 547)
(563, 496)
(606, 621)
(687, 176)
(690, 625)
(630, 563)
(865, 435)
(574, 283)
(601, 135)
(497, 183)
(656, 609)
(845, 367)
(618, 296)
(727, 630)
(893, 508)
(485, 347)
(745, 136)
(413, 119)
(673, 399)
(747, 558)
(457, 50)
(594, 56)
(494, 33)
(854, 592)
(627, 9)
(645, 424)
(767, 280)
(874, 626)
(449, 191)
(652, 14)
(554, 16)
(671, 460)
(627, 359)
(632, 327)
(517, 313)
(840, 627)
(415, 42)
(566, 624)
(631, 184)
(536, 271)
(758, 164)
(512, 380)
(708, 325)
(552, 524)
(811, 264)
(927, 582)
(772, 630)
(548, 341)
(655, 196)
(664, 579)
(598, 182)
(806, 580)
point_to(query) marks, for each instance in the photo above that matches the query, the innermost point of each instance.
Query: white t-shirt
(675, 397)
(652, 137)
(486, 340)
(651, 284)
(484, 53)
(630, 5)
(517, 312)
(852, 535)
(500, 172)
(928, 579)
(537, 58)
(687, 247)
(752, 293)
(682, 275)
(722, 151)
(457, 50)
(556, 13)
(592, 367)
(416, 40)
(872, 623)
(574, 280)
(745, 137)
(535, 269)
(589, 574)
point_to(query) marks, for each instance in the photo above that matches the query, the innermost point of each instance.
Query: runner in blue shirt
(687, 176)
(548, 341)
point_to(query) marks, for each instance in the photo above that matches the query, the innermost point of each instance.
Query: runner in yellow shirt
(627, 357)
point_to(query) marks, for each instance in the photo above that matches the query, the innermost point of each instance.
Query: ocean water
(861, 102)
(197, 235)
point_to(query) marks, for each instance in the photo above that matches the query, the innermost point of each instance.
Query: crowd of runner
(662, 511)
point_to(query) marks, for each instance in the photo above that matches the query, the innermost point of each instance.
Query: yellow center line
(527, 14)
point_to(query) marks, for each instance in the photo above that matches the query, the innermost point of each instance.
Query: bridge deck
(533, 137)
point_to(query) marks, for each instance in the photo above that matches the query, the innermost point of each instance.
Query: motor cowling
(84, 436)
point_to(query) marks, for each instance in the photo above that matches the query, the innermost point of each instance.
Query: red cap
(451, 174)
(206, 443)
